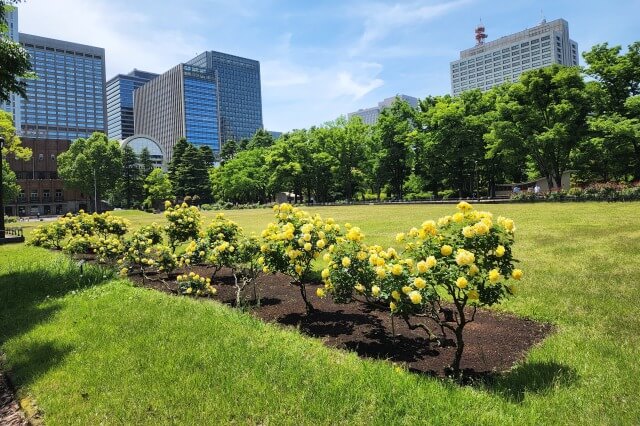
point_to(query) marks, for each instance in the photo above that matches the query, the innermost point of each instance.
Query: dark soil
(10, 414)
(494, 342)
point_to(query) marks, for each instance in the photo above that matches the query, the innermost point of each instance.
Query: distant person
(536, 189)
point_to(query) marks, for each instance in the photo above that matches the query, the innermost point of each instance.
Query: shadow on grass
(532, 378)
(29, 297)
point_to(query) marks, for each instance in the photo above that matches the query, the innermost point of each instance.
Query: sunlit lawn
(95, 350)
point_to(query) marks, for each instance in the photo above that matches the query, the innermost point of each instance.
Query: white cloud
(380, 20)
(131, 39)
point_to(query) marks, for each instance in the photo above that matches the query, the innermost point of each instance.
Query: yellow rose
(499, 251)
(307, 246)
(298, 269)
(381, 272)
(406, 289)
(419, 283)
(397, 269)
(468, 232)
(462, 282)
(325, 273)
(320, 292)
(375, 291)
(431, 262)
(400, 237)
(326, 257)
(446, 250)
(392, 306)
(362, 255)
(359, 288)
(458, 217)
(464, 257)
(494, 275)
(473, 270)
(395, 295)
(415, 297)
(320, 244)
(517, 274)
(346, 262)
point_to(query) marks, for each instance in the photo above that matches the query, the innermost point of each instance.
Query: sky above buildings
(319, 59)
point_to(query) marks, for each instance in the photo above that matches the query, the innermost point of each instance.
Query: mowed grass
(94, 349)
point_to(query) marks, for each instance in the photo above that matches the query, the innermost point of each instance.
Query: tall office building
(120, 102)
(370, 115)
(240, 94)
(67, 99)
(15, 103)
(490, 64)
(182, 102)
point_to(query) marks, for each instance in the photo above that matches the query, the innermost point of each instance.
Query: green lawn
(94, 349)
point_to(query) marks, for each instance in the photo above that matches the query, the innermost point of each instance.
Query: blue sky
(319, 59)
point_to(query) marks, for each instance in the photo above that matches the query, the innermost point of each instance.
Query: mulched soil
(494, 342)
(10, 414)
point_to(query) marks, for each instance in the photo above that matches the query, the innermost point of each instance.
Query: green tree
(91, 165)
(176, 160)
(191, 177)
(129, 187)
(544, 115)
(10, 187)
(15, 64)
(157, 189)
(284, 160)
(244, 178)
(394, 130)
(146, 165)
(261, 139)
(229, 150)
(207, 155)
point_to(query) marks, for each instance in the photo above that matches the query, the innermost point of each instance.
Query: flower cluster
(108, 249)
(295, 240)
(79, 244)
(49, 236)
(108, 224)
(184, 223)
(193, 283)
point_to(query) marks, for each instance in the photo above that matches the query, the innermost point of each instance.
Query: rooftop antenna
(544, 18)
(480, 34)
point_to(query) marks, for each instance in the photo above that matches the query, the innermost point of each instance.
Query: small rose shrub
(194, 284)
(184, 223)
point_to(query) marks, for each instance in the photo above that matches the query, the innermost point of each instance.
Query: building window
(40, 157)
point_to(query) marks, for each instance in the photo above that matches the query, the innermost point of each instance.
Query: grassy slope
(119, 354)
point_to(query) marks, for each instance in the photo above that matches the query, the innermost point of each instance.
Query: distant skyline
(318, 60)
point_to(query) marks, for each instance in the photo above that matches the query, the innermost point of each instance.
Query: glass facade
(201, 107)
(67, 99)
(120, 89)
(240, 99)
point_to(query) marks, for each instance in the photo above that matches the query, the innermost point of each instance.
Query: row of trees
(552, 120)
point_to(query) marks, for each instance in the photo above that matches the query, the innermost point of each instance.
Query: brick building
(42, 191)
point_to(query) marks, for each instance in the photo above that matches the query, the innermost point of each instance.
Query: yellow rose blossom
(395, 295)
(326, 257)
(346, 262)
(464, 206)
(473, 270)
(431, 262)
(462, 282)
(420, 283)
(320, 244)
(446, 250)
(494, 275)
(458, 217)
(517, 274)
(480, 228)
(298, 269)
(393, 307)
(509, 225)
(400, 237)
(362, 255)
(359, 288)
(381, 272)
(468, 232)
(415, 297)
(307, 246)
(397, 269)
(380, 261)
(375, 291)
(325, 273)
(464, 257)
(320, 292)
(499, 251)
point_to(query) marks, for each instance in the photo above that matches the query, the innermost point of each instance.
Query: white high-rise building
(490, 64)
(370, 115)
(15, 105)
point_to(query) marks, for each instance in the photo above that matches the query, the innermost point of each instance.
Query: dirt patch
(494, 342)
(10, 414)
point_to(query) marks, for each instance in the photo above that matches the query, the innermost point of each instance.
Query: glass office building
(370, 115)
(67, 99)
(240, 98)
(120, 102)
(183, 102)
(15, 102)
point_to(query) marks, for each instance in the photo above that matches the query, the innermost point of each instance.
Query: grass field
(94, 349)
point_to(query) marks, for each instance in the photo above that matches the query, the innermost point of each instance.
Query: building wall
(490, 64)
(159, 109)
(239, 89)
(67, 100)
(370, 115)
(15, 103)
(201, 107)
(41, 189)
(120, 118)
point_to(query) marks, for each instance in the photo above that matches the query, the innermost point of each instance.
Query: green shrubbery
(608, 191)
